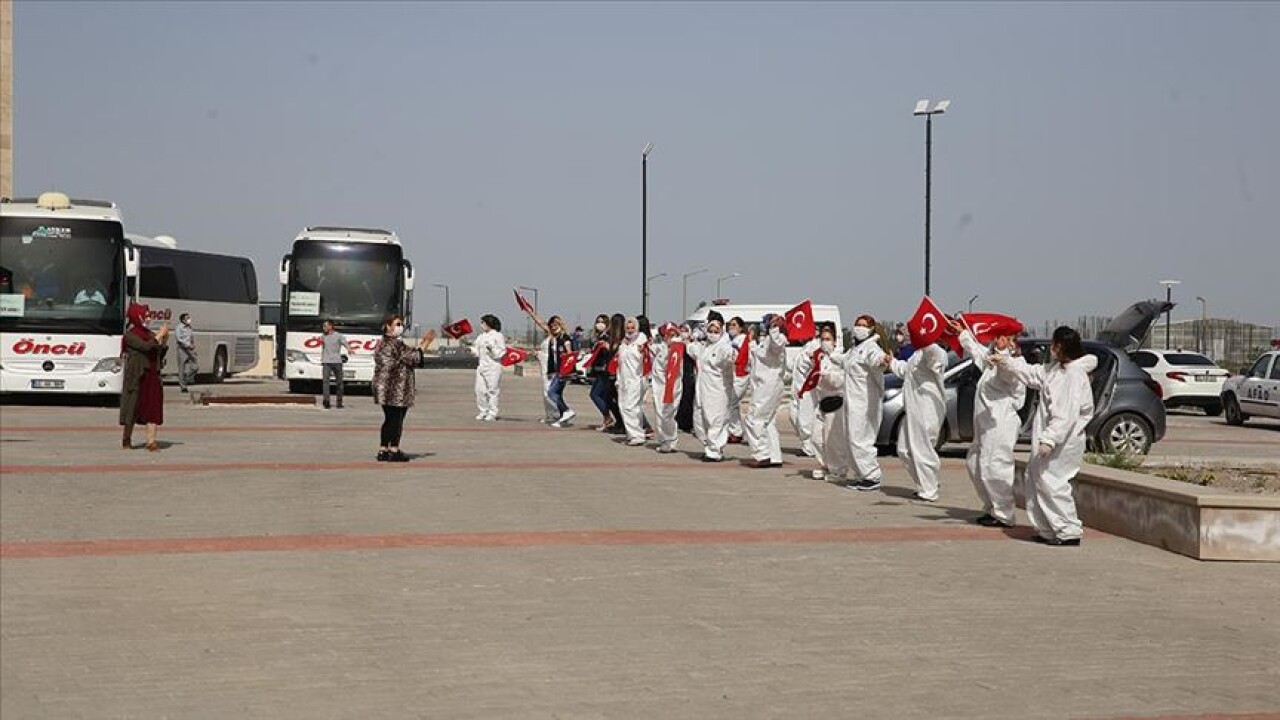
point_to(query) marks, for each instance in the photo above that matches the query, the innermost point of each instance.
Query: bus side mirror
(131, 262)
(284, 271)
(408, 275)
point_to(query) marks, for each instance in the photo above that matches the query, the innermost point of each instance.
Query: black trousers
(392, 425)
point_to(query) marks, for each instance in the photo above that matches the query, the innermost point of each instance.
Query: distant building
(1230, 343)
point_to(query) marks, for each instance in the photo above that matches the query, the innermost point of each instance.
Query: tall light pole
(1168, 314)
(922, 108)
(1204, 324)
(684, 297)
(647, 283)
(720, 281)
(448, 317)
(644, 228)
(975, 297)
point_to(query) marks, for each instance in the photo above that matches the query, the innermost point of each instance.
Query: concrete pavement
(263, 566)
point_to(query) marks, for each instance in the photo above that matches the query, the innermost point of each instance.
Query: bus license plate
(348, 374)
(47, 384)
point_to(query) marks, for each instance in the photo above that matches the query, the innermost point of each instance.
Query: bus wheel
(297, 387)
(220, 365)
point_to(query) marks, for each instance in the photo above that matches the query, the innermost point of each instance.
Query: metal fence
(1230, 343)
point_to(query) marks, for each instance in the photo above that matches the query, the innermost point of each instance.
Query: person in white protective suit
(830, 433)
(1062, 415)
(631, 380)
(864, 364)
(667, 384)
(802, 407)
(715, 359)
(490, 347)
(924, 405)
(768, 364)
(996, 402)
(737, 330)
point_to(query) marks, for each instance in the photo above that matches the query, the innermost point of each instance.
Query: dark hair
(871, 322)
(642, 321)
(827, 327)
(327, 321)
(617, 329)
(390, 320)
(1068, 342)
(742, 324)
(184, 317)
(715, 315)
(492, 321)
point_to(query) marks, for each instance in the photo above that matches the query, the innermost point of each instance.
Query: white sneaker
(556, 424)
(568, 415)
(666, 449)
(490, 418)
(481, 416)
(819, 474)
(636, 442)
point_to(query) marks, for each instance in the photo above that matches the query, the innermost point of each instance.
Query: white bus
(353, 276)
(219, 291)
(754, 314)
(63, 292)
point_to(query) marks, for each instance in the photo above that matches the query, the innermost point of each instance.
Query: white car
(1187, 379)
(1254, 392)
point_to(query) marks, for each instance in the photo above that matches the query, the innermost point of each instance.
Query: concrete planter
(1195, 521)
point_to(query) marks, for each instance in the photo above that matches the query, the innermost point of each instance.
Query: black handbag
(830, 404)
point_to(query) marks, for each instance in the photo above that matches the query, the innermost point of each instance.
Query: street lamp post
(684, 297)
(647, 283)
(975, 297)
(448, 317)
(720, 280)
(1204, 325)
(923, 108)
(1168, 314)
(644, 228)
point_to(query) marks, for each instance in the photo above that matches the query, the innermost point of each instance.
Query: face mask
(1005, 352)
(632, 335)
(600, 327)
(733, 332)
(397, 330)
(714, 336)
(828, 346)
(861, 333)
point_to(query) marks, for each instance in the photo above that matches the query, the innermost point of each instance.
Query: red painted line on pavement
(1210, 716)
(584, 538)
(115, 429)
(97, 469)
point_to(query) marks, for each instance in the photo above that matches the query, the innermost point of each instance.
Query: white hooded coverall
(863, 404)
(925, 405)
(1062, 415)
(738, 388)
(666, 411)
(768, 363)
(490, 346)
(802, 409)
(711, 398)
(996, 424)
(829, 428)
(631, 386)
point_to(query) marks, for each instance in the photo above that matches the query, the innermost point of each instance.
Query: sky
(1090, 151)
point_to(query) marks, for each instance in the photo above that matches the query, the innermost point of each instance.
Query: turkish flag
(743, 358)
(568, 363)
(811, 381)
(800, 327)
(514, 356)
(988, 326)
(675, 364)
(612, 366)
(458, 329)
(927, 325)
(646, 356)
(524, 304)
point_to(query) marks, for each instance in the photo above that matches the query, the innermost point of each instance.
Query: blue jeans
(555, 391)
(600, 395)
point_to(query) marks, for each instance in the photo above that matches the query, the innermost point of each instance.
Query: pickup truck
(1255, 392)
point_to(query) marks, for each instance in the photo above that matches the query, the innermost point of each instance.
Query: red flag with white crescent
(514, 356)
(811, 381)
(800, 325)
(458, 329)
(927, 325)
(568, 363)
(988, 326)
(675, 364)
(744, 357)
(646, 356)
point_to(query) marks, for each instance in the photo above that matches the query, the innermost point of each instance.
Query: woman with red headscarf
(142, 394)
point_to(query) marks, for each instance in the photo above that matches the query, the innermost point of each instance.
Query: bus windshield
(354, 284)
(61, 275)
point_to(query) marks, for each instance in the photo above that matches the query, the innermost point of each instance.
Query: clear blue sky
(1092, 149)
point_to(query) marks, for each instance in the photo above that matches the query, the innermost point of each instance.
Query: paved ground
(263, 566)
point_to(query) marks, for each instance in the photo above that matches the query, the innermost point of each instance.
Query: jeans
(600, 395)
(187, 366)
(555, 392)
(392, 425)
(331, 370)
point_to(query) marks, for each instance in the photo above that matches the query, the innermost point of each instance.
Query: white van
(754, 314)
